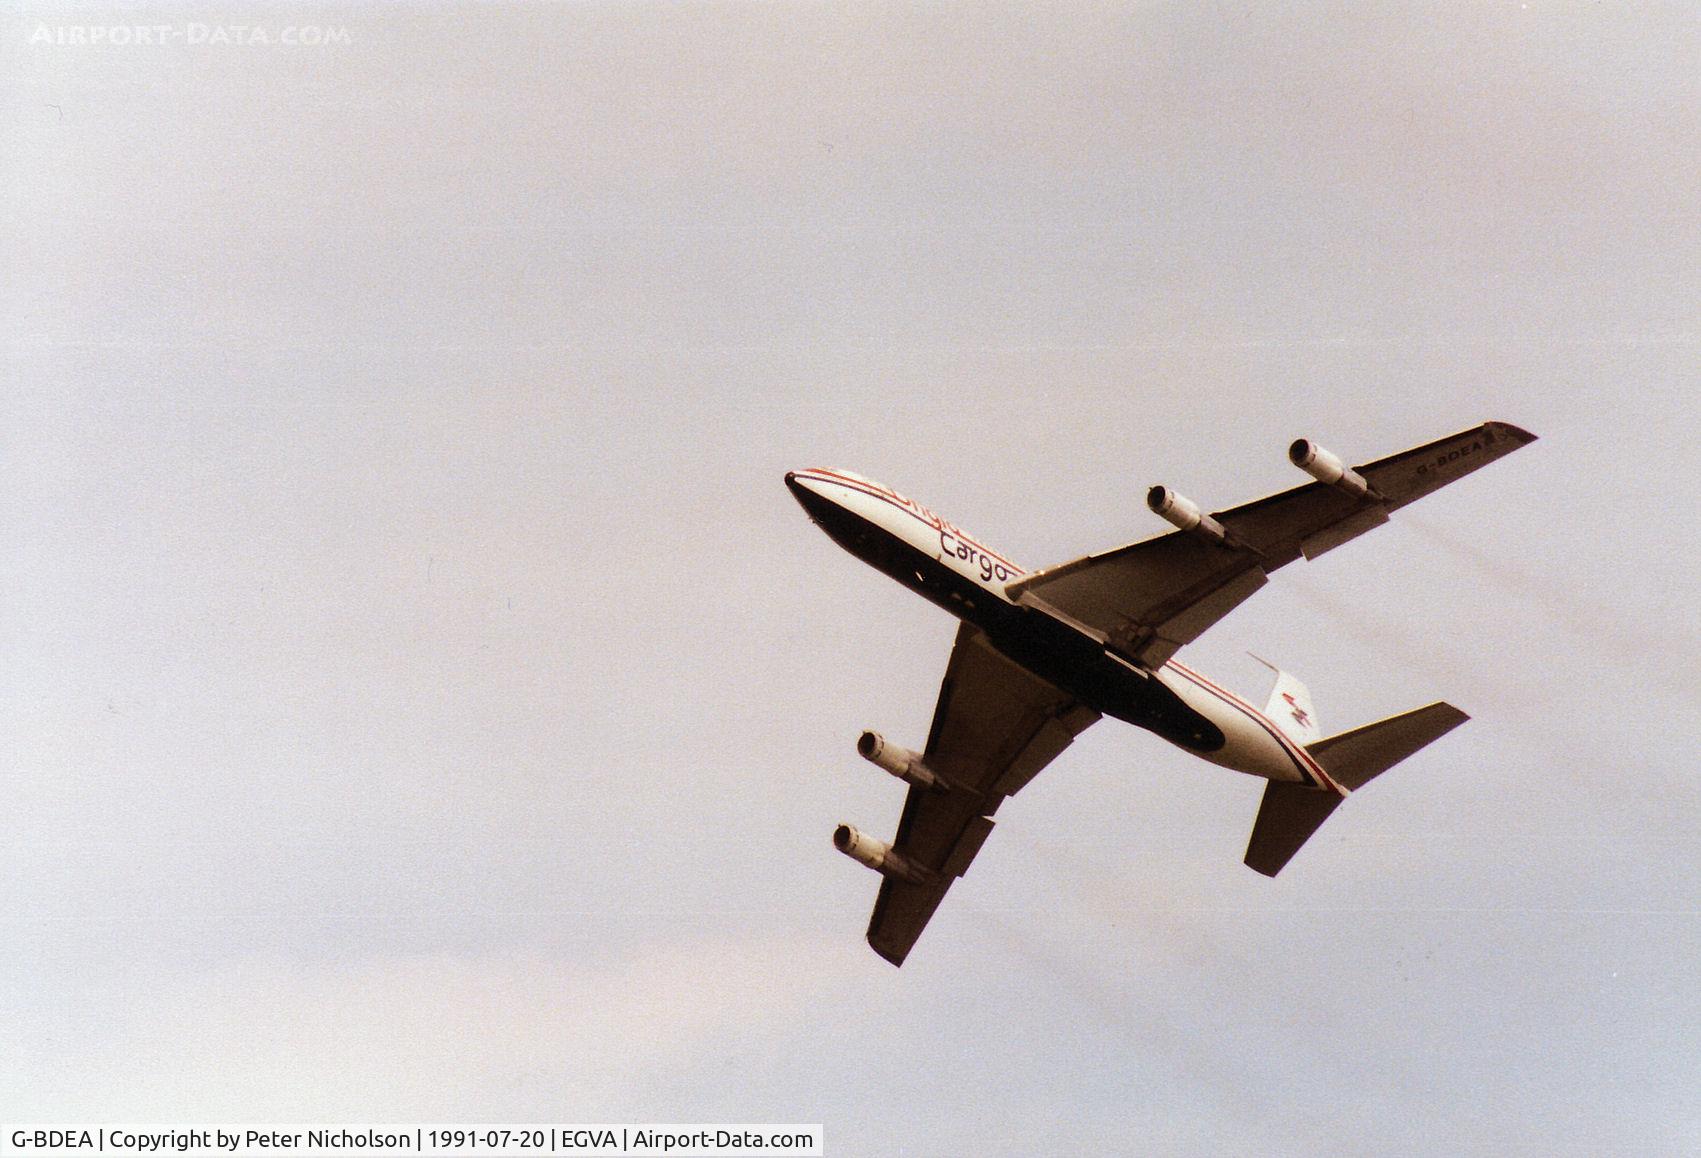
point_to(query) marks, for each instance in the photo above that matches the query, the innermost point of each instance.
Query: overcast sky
(423, 701)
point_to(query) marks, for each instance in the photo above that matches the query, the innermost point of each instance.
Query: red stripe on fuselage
(910, 507)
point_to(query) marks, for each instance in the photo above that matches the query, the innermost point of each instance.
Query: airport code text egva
(471, 1140)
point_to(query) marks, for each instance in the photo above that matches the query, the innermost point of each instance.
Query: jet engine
(1326, 468)
(1183, 513)
(900, 762)
(877, 855)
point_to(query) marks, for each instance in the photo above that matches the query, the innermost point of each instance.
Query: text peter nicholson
(710, 1140)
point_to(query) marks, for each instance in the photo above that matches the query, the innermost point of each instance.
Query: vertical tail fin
(1290, 813)
(1289, 707)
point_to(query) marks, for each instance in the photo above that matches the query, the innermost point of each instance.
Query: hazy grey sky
(422, 699)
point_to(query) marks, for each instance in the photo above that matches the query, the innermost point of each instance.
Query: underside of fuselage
(1062, 655)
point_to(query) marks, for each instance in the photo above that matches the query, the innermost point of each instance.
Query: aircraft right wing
(1149, 598)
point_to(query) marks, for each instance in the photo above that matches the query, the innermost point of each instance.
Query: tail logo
(1300, 715)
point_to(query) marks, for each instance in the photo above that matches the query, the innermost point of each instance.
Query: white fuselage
(943, 562)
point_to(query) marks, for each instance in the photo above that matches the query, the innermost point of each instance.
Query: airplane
(1042, 655)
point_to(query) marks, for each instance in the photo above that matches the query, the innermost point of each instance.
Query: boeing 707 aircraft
(1041, 655)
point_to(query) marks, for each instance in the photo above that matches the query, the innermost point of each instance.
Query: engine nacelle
(1183, 513)
(878, 855)
(1326, 468)
(900, 762)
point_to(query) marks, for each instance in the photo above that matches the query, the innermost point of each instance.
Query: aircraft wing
(1147, 599)
(995, 726)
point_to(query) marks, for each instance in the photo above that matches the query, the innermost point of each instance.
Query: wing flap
(1056, 733)
(1344, 531)
(1190, 623)
(968, 844)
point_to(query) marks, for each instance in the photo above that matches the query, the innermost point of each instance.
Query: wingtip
(891, 956)
(1518, 433)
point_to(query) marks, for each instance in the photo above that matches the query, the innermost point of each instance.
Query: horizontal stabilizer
(1291, 812)
(1354, 758)
(1287, 818)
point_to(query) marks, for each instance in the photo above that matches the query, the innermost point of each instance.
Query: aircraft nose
(807, 496)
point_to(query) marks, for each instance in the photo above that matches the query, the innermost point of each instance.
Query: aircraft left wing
(1149, 598)
(995, 726)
